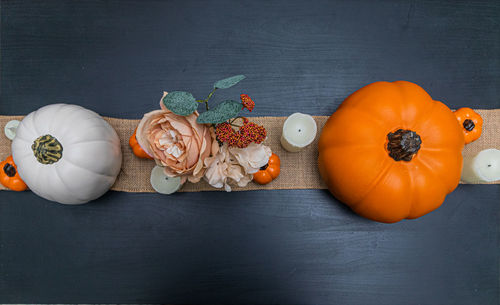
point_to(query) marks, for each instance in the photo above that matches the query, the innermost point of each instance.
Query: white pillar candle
(299, 130)
(484, 167)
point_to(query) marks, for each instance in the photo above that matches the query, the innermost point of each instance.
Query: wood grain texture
(116, 57)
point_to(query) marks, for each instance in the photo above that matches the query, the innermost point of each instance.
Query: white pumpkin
(66, 153)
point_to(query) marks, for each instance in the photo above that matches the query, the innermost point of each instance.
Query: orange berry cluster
(247, 102)
(224, 131)
(249, 132)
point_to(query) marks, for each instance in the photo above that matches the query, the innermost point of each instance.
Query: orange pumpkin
(391, 152)
(268, 172)
(471, 123)
(9, 177)
(136, 148)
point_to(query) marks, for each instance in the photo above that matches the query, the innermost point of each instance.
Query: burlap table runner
(298, 170)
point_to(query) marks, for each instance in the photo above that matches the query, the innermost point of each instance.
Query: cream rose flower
(235, 165)
(252, 157)
(177, 142)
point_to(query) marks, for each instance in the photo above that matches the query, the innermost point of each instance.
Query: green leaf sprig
(224, 111)
(183, 103)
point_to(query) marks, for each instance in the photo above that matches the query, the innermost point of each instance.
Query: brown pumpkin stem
(469, 125)
(263, 168)
(47, 149)
(9, 170)
(403, 144)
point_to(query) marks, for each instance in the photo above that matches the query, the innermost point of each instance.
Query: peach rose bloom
(177, 142)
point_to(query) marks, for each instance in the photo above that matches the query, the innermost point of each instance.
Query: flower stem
(234, 119)
(210, 94)
(208, 97)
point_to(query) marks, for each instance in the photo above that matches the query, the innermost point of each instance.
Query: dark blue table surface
(293, 246)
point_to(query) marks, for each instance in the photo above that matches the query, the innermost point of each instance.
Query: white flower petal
(253, 157)
(175, 151)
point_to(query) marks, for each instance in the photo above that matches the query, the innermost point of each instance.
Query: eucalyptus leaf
(180, 102)
(221, 113)
(228, 82)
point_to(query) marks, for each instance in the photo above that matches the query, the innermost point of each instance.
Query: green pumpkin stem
(47, 149)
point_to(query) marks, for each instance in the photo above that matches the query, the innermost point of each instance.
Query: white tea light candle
(299, 130)
(11, 128)
(162, 183)
(485, 166)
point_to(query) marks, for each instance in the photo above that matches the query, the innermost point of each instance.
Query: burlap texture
(298, 170)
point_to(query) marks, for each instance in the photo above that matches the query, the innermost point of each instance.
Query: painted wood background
(299, 246)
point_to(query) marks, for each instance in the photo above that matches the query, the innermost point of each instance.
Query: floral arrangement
(209, 145)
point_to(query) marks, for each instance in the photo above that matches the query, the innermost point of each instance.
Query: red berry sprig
(224, 131)
(253, 132)
(247, 133)
(247, 102)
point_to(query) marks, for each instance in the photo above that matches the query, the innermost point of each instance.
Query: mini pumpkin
(136, 148)
(391, 152)
(471, 123)
(9, 177)
(268, 172)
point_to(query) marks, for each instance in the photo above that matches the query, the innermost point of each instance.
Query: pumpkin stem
(469, 125)
(47, 149)
(263, 168)
(9, 170)
(403, 144)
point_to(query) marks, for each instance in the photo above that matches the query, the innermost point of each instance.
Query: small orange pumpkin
(136, 148)
(9, 177)
(471, 123)
(391, 152)
(268, 172)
